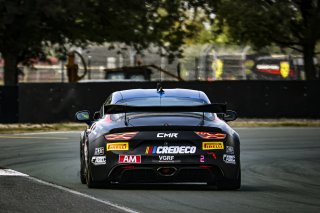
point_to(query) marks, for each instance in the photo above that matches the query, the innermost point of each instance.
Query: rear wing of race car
(226, 115)
(117, 108)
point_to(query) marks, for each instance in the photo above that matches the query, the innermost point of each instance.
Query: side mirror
(230, 115)
(83, 116)
(96, 115)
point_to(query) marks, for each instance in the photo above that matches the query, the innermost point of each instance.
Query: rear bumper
(164, 173)
(156, 173)
(201, 166)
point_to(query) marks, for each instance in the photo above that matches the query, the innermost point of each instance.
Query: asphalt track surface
(280, 173)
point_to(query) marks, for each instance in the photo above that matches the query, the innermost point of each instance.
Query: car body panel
(175, 146)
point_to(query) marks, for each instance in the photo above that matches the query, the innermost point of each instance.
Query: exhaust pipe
(166, 171)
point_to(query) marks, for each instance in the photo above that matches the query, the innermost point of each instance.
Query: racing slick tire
(229, 184)
(87, 166)
(89, 180)
(82, 171)
(94, 184)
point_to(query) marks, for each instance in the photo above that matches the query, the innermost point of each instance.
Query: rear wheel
(82, 170)
(229, 184)
(87, 173)
(90, 182)
(94, 184)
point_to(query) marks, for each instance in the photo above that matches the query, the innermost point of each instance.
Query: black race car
(160, 136)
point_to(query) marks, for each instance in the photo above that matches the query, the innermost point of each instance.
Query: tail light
(210, 135)
(128, 167)
(120, 136)
(204, 167)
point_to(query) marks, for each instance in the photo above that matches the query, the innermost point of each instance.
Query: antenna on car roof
(125, 115)
(202, 120)
(160, 88)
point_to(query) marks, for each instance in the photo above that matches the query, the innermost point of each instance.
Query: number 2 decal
(202, 158)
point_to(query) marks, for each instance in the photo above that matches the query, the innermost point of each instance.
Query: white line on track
(10, 172)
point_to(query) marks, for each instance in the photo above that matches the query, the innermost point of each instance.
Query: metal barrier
(9, 104)
(56, 102)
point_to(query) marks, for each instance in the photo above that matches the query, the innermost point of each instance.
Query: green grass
(22, 128)
(275, 123)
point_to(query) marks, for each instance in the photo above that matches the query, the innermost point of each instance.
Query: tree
(27, 26)
(286, 23)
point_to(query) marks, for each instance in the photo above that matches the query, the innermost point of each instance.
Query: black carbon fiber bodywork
(119, 172)
(165, 148)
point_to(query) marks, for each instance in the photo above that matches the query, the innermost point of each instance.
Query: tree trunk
(10, 69)
(308, 54)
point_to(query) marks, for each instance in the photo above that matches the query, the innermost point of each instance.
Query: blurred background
(195, 40)
(51, 49)
(200, 62)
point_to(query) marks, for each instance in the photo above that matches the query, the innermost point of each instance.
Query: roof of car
(142, 93)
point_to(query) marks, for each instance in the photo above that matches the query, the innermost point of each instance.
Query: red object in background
(52, 60)
(270, 71)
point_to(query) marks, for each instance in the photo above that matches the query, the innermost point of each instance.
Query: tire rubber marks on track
(10, 172)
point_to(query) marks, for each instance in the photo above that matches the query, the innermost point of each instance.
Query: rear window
(167, 101)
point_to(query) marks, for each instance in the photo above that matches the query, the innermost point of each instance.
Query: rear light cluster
(128, 167)
(210, 135)
(204, 167)
(120, 136)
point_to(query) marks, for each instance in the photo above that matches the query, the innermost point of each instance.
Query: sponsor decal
(166, 158)
(117, 146)
(213, 154)
(167, 135)
(201, 158)
(229, 159)
(171, 150)
(99, 151)
(229, 150)
(98, 160)
(149, 150)
(212, 145)
(129, 158)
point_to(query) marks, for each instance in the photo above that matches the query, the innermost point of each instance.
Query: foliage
(286, 23)
(27, 26)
